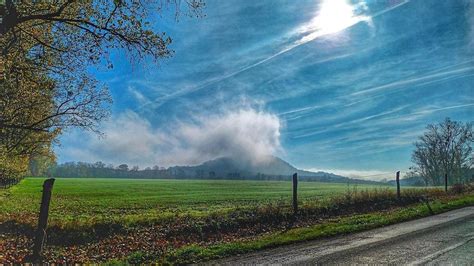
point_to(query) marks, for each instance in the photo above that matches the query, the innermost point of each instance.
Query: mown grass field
(86, 201)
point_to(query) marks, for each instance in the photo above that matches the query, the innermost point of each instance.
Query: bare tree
(445, 148)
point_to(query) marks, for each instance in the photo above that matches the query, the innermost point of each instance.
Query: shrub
(457, 188)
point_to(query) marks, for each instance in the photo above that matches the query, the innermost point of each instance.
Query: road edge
(273, 253)
(411, 233)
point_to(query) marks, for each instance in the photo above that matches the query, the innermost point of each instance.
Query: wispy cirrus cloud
(420, 78)
(139, 96)
(332, 16)
(353, 99)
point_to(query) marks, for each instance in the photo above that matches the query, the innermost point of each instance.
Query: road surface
(442, 239)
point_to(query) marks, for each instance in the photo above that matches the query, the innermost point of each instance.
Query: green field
(86, 201)
(97, 220)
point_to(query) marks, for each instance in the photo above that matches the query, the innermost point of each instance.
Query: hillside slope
(272, 168)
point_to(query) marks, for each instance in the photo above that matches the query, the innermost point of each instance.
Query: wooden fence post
(398, 184)
(446, 182)
(295, 194)
(43, 218)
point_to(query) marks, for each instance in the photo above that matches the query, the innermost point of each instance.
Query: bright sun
(334, 16)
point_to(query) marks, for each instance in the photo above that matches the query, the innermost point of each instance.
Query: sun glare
(334, 16)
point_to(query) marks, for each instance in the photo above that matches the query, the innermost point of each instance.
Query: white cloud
(244, 133)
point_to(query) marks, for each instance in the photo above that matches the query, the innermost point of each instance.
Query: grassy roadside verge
(352, 224)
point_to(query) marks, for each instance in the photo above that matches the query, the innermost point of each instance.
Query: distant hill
(271, 168)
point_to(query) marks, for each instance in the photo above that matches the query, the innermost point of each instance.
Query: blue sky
(342, 86)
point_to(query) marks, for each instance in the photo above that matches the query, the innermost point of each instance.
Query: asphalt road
(444, 239)
(451, 243)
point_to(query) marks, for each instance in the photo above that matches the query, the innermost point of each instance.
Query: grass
(184, 221)
(344, 225)
(80, 201)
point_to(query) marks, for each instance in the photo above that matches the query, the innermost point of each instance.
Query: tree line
(102, 170)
